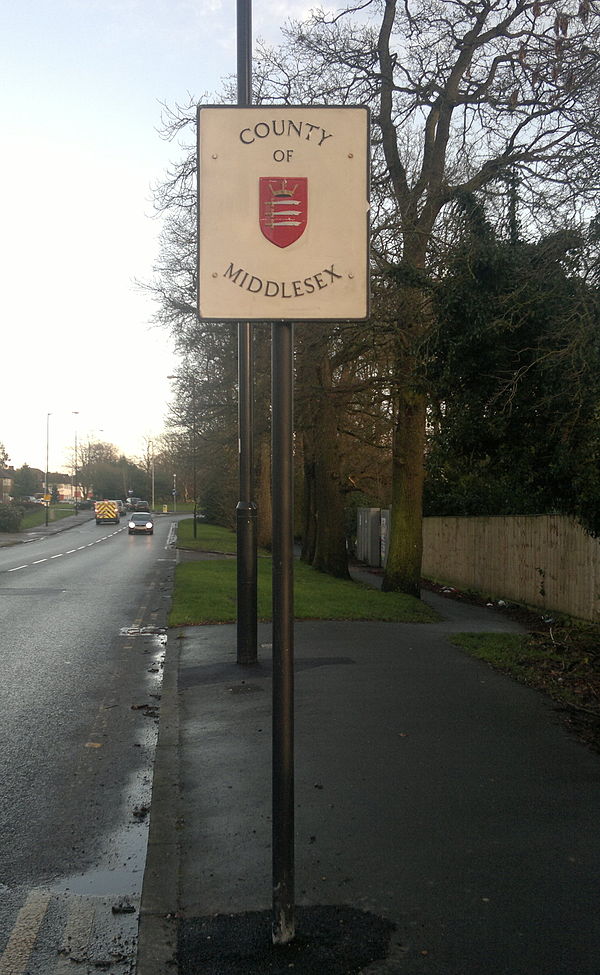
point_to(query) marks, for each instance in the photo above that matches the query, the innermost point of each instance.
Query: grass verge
(210, 538)
(33, 519)
(561, 658)
(205, 592)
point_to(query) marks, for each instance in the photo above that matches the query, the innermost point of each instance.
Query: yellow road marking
(22, 939)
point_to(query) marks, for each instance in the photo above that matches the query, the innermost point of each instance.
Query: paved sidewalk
(61, 525)
(445, 822)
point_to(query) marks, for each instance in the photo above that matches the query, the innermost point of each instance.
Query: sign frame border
(288, 318)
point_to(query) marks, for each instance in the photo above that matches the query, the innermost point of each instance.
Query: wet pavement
(83, 614)
(444, 818)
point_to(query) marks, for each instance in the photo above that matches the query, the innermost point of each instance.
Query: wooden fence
(546, 561)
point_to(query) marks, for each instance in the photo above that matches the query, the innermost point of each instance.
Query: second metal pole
(283, 926)
(246, 514)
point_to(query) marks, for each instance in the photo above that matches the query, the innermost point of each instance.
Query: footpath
(446, 823)
(53, 528)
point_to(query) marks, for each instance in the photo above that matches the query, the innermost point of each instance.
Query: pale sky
(81, 82)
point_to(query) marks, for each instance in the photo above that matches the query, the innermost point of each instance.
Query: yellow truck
(107, 512)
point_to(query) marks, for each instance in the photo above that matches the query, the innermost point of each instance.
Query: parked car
(140, 523)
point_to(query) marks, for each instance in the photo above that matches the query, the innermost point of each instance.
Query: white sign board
(283, 208)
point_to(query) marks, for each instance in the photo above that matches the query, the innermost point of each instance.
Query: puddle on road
(110, 882)
(122, 860)
(158, 632)
(121, 870)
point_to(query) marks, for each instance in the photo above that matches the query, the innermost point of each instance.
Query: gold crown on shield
(279, 188)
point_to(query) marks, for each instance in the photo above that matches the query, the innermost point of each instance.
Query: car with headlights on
(140, 523)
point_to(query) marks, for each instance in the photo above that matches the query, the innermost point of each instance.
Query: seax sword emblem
(283, 208)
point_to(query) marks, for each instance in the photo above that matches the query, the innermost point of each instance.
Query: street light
(47, 502)
(195, 486)
(75, 413)
(151, 460)
(191, 380)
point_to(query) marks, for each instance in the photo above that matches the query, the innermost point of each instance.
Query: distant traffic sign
(283, 213)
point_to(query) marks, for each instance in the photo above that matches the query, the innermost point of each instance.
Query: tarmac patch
(227, 673)
(308, 663)
(218, 673)
(244, 688)
(337, 940)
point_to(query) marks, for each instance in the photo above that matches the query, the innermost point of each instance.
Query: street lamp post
(152, 463)
(246, 510)
(47, 502)
(194, 480)
(189, 378)
(75, 413)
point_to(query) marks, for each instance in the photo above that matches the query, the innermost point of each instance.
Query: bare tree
(464, 93)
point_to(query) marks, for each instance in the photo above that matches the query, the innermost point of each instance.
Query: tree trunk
(403, 569)
(309, 518)
(324, 496)
(330, 551)
(264, 533)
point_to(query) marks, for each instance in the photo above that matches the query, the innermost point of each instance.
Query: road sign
(283, 213)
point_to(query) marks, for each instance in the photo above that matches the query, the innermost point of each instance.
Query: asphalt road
(83, 616)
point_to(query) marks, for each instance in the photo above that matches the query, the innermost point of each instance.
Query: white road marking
(70, 551)
(22, 938)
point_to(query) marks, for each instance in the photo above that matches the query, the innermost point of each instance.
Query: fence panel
(546, 561)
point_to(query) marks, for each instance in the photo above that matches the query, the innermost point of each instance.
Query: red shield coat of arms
(283, 208)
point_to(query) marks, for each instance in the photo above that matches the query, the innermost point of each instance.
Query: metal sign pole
(288, 160)
(283, 924)
(246, 508)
